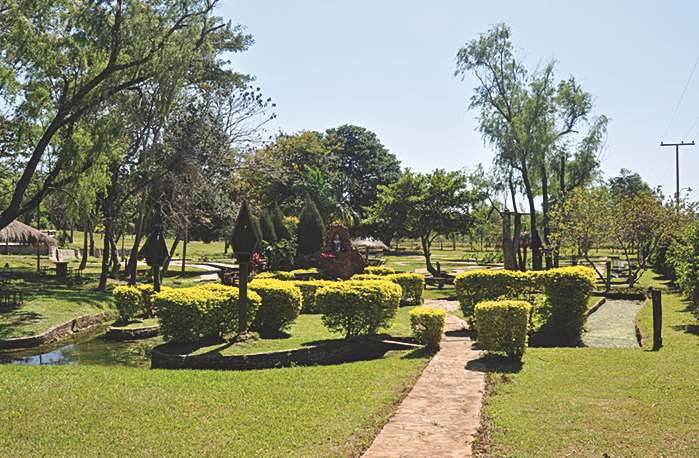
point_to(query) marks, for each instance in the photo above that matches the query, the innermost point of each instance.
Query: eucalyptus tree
(530, 119)
(64, 64)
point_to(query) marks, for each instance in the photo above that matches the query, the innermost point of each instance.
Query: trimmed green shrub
(358, 308)
(502, 326)
(567, 291)
(267, 227)
(308, 292)
(280, 228)
(147, 292)
(428, 325)
(379, 270)
(192, 314)
(412, 285)
(488, 285)
(281, 305)
(128, 301)
(276, 275)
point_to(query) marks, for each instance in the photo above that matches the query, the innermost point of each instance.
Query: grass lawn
(87, 411)
(597, 402)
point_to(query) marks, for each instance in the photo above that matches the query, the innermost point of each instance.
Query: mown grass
(87, 411)
(597, 402)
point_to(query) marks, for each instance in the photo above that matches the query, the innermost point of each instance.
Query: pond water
(88, 347)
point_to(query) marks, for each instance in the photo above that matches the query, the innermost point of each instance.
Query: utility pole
(677, 165)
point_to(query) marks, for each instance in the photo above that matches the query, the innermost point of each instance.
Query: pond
(85, 348)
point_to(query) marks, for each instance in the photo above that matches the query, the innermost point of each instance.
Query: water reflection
(85, 348)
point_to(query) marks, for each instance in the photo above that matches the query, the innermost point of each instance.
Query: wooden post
(657, 320)
(156, 278)
(609, 274)
(243, 298)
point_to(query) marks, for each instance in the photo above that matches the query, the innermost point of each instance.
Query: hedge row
(566, 289)
(134, 301)
(502, 326)
(427, 325)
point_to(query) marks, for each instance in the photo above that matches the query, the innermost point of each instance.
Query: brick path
(440, 416)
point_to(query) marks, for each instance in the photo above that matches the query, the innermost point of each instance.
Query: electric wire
(675, 113)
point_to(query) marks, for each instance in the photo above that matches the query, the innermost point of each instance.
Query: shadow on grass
(11, 319)
(420, 353)
(688, 329)
(498, 363)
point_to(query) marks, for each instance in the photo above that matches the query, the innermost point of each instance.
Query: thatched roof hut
(20, 233)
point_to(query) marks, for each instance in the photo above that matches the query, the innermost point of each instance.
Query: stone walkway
(440, 416)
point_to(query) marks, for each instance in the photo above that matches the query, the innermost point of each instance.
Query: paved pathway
(440, 416)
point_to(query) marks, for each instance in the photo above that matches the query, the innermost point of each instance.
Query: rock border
(119, 334)
(324, 354)
(59, 331)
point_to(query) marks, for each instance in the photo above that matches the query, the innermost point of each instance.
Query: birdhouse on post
(156, 253)
(244, 242)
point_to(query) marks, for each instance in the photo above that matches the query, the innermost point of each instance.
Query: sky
(388, 66)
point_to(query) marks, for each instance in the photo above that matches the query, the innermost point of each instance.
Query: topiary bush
(358, 308)
(311, 229)
(567, 291)
(128, 301)
(502, 326)
(276, 275)
(428, 325)
(281, 305)
(379, 270)
(192, 314)
(308, 293)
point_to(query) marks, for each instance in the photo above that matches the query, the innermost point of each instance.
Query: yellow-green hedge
(192, 314)
(487, 285)
(308, 293)
(276, 275)
(412, 285)
(567, 291)
(281, 305)
(128, 301)
(379, 270)
(502, 326)
(428, 325)
(358, 308)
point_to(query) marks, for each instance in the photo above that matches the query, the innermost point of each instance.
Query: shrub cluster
(412, 285)
(276, 275)
(190, 314)
(428, 325)
(379, 270)
(358, 308)
(281, 305)
(308, 293)
(567, 290)
(502, 326)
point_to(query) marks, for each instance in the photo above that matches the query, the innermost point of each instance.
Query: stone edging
(595, 307)
(118, 334)
(329, 353)
(59, 331)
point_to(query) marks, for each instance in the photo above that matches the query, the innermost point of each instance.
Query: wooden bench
(439, 281)
(9, 296)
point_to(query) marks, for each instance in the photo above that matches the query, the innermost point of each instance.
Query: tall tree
(426, 206)
(64, 63)
(527, 117)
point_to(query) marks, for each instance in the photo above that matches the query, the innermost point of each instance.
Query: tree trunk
(116, 265)
(105, 260)
(516, 240)
(184, 250)
(536, 240)
(83, 261)
(545, 222)
(426, 252)
(169, 258)
(508, 247)
(132, 268)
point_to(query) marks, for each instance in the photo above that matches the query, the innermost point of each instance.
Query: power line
(677, 160)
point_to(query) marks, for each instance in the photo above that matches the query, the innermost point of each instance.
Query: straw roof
(17, 232)
(370, 242)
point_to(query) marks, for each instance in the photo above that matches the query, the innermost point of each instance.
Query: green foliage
(128, 301)
(280, 254)
(358, 308)
(308, 292)
(683, 257)
(502, 326)
(379, 270)
(280, 228)
(267, 227)
(488, 285)
(412, 285)
(311, 229)
(276, 275)
(567, 291)
(192, 314)
(281, 305)
(428, 325)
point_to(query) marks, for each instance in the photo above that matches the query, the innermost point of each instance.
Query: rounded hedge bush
(308, 293)
(358, 308)
(379, 270)
(428, 325)
(128, 301)
(192, 314)
(281, 305)
(502, 326)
